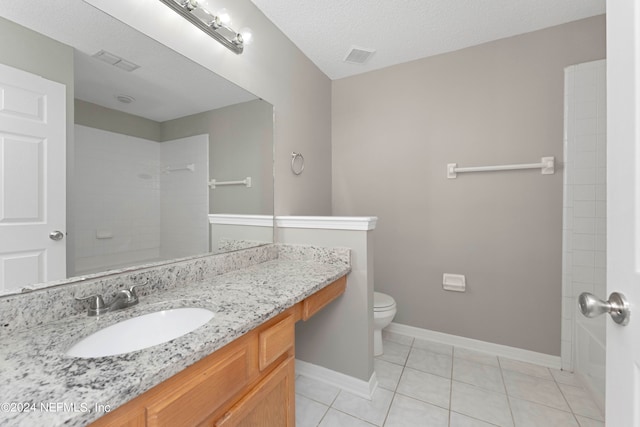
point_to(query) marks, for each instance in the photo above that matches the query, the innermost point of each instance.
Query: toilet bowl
(384, 309)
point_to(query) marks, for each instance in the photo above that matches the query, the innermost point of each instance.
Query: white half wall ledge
(358, 223)
(358, 387)
(237, 219)
(542, 359)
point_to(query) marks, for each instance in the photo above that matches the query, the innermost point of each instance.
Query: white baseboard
(347, 383)
(542, 359)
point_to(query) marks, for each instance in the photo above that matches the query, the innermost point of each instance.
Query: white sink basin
(141, 332)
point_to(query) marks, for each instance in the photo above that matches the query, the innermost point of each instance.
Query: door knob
(56, 235)
(617, 306)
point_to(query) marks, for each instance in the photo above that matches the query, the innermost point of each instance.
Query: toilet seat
(382, 302)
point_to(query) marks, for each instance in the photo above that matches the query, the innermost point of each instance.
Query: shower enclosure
(584, 222)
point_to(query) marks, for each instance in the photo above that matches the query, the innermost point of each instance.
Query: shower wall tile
(121, 189)
(583, 242)
(117, 199)
(584, 225)
(584, 258)
(584, 221)
(583, 209)
(583, 176)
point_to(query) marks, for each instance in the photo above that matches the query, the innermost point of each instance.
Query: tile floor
(423, 383)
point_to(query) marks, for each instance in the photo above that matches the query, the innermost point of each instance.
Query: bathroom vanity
(248, 382)
(235, 369)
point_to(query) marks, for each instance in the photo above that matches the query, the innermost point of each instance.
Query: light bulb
(224, 16)
(247, 35)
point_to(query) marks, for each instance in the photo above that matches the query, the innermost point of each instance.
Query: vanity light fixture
(212, 24)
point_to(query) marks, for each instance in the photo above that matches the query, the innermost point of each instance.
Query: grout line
(353, 416)
(506, 392)
(323, 415)
(335, 398)
(453, 349)
(386, 416)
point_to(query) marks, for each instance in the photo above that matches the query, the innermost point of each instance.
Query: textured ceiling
(405, 30)
(166, 86)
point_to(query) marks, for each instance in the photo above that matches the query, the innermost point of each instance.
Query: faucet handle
(132, 289)
(96, 304)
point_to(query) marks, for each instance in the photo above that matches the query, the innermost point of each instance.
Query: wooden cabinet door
(270, 404)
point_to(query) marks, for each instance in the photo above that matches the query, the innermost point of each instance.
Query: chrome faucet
(124, 298)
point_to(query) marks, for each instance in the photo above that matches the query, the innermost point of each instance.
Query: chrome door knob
(617, 306)
(56, 235)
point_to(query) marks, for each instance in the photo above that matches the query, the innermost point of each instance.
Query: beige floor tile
(588, 422)
(481, 404)
(316, 390)
(529, 414)
(309, 412)
(397, 338)
(425, 387)
(459, 420)
(525, 368)
(387, 373)
(335, 418)
(564, 377)
(394, 352)
(406, 412)
(580, 402)
(483, 376)
(476, 356)
(435, 347)
(534, 389)
(427, 361)
(373, 411)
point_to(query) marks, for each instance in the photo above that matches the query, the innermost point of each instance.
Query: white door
(623, 211)
(32, 179)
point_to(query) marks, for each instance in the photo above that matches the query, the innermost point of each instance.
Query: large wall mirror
(147, 131)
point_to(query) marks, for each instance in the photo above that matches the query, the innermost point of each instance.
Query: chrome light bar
(207, 22)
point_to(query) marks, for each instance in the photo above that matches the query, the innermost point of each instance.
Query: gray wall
(99, 117)
(394, 131)
(340, 336)
(274, 69)
(240, 145)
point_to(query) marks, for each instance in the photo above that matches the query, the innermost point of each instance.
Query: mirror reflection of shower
(584, 222)
(137, 200)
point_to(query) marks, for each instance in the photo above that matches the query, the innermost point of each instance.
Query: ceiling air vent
(115, 60)
(358, 55)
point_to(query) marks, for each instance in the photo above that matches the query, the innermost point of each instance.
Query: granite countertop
(54, 389)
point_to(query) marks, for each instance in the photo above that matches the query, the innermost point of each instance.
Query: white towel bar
(547, 166)
(190, 167)
(246, 182)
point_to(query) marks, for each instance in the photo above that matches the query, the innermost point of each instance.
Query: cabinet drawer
(201, 394)
(275, 341)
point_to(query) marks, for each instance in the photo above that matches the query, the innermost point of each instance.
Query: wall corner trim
(546, 360)
(361, 388)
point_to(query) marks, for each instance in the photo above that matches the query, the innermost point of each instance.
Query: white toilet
(384, 309)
